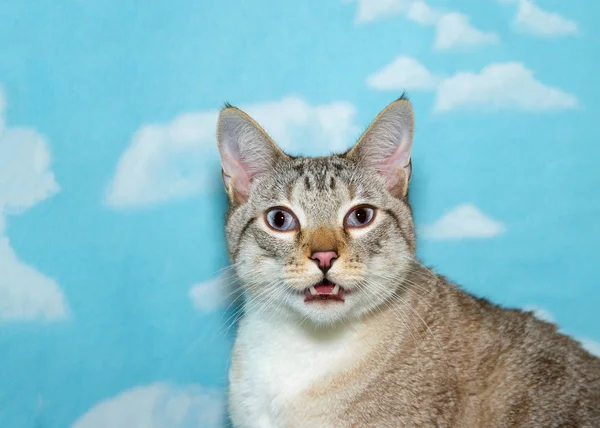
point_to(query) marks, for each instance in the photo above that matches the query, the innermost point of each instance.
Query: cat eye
(360, 216)
(281, 220)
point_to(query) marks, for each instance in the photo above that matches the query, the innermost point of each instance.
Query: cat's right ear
(246, 152)
(386, 146)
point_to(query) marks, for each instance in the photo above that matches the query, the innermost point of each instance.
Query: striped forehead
(321, 174)
(320, 186)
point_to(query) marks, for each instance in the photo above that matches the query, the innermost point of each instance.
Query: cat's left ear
(246, 152)
(386, 146)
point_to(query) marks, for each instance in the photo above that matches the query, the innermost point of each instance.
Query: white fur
(278, 362)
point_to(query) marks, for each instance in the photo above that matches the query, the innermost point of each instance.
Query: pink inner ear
(399, 160)
(235, 174)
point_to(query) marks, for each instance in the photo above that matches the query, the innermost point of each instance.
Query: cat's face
(324, 239)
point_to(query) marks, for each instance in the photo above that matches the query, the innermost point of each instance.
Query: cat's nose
(324, 259)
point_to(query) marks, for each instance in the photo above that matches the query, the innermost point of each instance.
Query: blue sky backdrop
(113, 287)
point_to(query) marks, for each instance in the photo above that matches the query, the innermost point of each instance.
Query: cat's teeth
(313, 290)
(335, 290)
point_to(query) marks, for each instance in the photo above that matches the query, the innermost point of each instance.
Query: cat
(344, 327)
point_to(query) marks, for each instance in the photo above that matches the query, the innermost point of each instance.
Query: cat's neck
(284, 340)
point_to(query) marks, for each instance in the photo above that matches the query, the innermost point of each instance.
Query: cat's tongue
(324, 288)
(324, 291)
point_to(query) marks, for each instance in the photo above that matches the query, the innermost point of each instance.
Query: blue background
(113, 304)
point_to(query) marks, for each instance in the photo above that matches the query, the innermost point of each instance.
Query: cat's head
(325, 239)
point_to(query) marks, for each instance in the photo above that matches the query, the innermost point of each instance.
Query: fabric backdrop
(113, 288)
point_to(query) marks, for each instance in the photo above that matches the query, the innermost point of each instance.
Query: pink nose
(325, 259)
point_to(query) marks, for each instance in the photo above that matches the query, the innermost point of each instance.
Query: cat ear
(246, 152)
(386, 144)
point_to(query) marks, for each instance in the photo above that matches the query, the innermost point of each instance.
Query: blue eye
(281, 220)
(360, 216)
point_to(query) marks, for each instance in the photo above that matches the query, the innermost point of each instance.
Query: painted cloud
(371, 10)
(508, 86)
(541, 313)
(180, 159)
(25, 180)
(158, 405)
(25, 293)
(592, 346)
(216, 293)
(403, 73)
(532, 19)
(453, 29)
(463, 222)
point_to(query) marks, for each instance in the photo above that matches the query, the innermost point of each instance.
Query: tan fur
(464, 363)
(323, 239)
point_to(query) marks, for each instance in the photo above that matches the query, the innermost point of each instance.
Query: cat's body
(393, 344)
(466, 363)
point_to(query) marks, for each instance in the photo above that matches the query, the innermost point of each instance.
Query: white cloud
(463, 222)
(541, 313)
(532, 19)
(508, 85)
(25, 294)
(25, 180)
(591, 346)
(500, 86)
(421, 12)
(180, 159)
(453, 29)
(216, 293)
(25, 175)
(167, 162)
(2, 110)
(158, 405)
(370, 10)
(403, 73)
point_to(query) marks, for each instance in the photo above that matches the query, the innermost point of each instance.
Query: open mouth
(324, 290)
